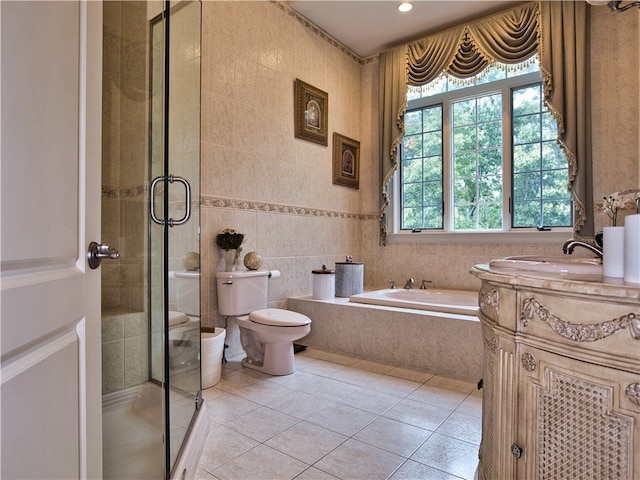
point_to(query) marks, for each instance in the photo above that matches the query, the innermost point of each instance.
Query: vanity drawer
(595, 325)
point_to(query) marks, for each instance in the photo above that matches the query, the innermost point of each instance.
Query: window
(482, 156)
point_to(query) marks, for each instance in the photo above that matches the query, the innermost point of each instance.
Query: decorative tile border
(113, 191)
(235, 204)
(110, 191)
(305, 22)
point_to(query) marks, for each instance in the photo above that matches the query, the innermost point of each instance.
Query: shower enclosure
(150, 212)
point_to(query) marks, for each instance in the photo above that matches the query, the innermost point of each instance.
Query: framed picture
(346, 161)
(311, 113)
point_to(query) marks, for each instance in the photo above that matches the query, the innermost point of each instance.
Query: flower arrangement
(229, 239)
(620, 201)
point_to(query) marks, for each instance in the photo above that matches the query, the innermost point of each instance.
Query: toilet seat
(277, 317)
(177, 318)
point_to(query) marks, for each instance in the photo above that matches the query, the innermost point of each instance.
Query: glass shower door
(151, 131)
(174, 234)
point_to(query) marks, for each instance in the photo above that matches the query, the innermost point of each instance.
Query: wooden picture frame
(346, 161)
(311, 107)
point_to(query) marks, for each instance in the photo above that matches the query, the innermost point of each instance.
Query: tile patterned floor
(340, 417)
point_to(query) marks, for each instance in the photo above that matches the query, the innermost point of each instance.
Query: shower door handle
(187, 189)
(98, 251)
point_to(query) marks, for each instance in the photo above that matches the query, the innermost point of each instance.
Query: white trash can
(211, 350)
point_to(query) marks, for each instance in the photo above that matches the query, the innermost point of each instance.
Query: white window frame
(507, 234)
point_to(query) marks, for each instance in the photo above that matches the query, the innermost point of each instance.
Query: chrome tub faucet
(409, 284)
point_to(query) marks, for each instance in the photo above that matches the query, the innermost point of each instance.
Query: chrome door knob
(98, 251)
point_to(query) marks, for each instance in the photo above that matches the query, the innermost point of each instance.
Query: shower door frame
(166, 181)
(135, 321)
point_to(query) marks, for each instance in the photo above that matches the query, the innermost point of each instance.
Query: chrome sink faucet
(409, 284)
(572, 243)
(423, 285)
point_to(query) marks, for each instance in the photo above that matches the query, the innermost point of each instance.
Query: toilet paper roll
(631, 248)
(613, 252)
(274, 273)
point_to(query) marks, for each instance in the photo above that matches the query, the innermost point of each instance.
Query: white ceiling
(368, 27)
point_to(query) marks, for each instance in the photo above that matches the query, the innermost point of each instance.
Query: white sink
(560, 264)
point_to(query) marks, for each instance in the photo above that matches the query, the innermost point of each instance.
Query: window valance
(556, 31)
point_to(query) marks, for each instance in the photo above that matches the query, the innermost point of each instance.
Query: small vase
(229, 257)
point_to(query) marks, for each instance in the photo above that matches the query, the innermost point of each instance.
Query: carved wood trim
(633, 393)
(491, 344)
(532, 309)
(490, 299)
(528, 362)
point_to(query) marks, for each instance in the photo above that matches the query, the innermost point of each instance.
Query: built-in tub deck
(446, 301)
(444, 342)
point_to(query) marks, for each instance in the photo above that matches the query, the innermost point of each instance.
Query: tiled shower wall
(259, 179)
(125, 215)
(124, 195)
(124, 153)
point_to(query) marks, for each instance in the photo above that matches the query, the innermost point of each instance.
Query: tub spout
(572, 243)
(409, 284)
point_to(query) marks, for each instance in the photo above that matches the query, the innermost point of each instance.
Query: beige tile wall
(254, 172)
(615, 59)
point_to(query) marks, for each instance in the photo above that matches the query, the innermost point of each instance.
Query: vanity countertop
(580, 285)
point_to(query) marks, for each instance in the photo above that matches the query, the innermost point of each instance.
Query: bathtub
(437, 330)
(447, 301)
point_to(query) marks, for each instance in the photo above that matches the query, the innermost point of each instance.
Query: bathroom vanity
(561, 377)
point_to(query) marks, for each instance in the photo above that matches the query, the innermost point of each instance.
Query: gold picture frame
(346, 161)
(311, 113)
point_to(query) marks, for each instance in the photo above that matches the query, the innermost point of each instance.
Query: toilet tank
(240, 293)
(187, 285)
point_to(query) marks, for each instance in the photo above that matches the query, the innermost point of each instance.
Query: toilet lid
(176, 318)
(278, 317)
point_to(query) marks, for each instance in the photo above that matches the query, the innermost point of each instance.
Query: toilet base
(278, 359)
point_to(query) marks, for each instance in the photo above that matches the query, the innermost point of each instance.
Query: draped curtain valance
(467, 50)
(556, 31)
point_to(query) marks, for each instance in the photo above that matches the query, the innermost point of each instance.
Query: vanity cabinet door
(576, 419)
(486, 456)
(499, 403)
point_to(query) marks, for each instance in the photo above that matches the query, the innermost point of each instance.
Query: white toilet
(184, 323)
(266, 334)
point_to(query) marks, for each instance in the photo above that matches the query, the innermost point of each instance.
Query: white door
(50, 395)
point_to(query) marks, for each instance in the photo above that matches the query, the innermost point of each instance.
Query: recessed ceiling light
(405, 7)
